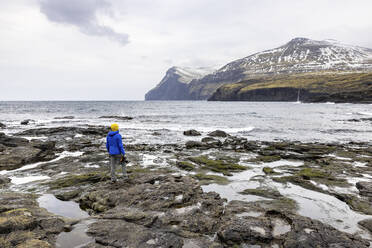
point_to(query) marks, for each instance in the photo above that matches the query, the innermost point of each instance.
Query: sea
(163, 122)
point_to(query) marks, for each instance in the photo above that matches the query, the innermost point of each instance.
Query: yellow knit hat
(114, 127)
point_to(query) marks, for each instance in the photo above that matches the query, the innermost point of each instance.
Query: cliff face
(310, 87)
(299, 56)
(174, 86)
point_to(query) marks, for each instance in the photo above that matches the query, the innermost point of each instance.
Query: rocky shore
(215, 190)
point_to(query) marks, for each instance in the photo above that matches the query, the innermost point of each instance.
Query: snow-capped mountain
(305, 55)
(300, 55)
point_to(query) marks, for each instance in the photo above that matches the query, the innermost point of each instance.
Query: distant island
(302, 69)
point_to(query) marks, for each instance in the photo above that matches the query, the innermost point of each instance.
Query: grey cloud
(82, 14)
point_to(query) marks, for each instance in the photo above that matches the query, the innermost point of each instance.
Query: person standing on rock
(114, 145)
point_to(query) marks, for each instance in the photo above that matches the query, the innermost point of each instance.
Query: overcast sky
(120, 49)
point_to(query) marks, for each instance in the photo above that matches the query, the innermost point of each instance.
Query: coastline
(219, 191)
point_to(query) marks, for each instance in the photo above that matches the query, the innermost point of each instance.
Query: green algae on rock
(220, 166)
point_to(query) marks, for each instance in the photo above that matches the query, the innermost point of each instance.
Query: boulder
(16, 152)
(70, 117)
(116, 117)
(211, 142)
(2, 125)
(365, 188)
(191, 132)
(194, 144)
(120, 233)
(218, 133)
(367, 224)
(26, 122)
(248, 229)
(11, 141)
(4, 180)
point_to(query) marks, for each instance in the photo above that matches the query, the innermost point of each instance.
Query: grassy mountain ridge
(312, 87)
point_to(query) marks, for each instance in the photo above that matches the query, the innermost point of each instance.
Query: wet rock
(2, 125)
(17, 152)
(367, 224)
(66, 131)
(11, 141)
(205, 179)
(67, 195)
(119, 233)
(4, 180)
(264, 192)
(208, 139)
(76, 180)
(222, 166)
(184, 165)
(70, 117)
(83, 144)
(191, 132)
(23, 223)
(34, 243)
(247, 229)
(194, 144)
(218, 133)
(212, 142)
(312, 233)
(355, 203)
(286, 229)
(268, 170)
(365, 188)
(116, 117)
(26, 122)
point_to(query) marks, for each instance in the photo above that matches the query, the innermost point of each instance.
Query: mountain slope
(305, 87)
(174, 85)
(298, 56)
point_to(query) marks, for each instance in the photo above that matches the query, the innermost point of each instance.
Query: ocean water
(323, 122)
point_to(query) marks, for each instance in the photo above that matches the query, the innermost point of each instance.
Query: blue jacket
(114, 144)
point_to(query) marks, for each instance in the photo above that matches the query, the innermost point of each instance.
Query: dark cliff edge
(169, 89)
(338, 88)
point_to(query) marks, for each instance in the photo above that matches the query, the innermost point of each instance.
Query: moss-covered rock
(208, 179)
(16, 219)
(264, 192)
(185, 165)
(265, 159)
(74, 180)
(268, 170)
(220, 166)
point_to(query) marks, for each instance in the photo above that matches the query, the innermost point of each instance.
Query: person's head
(114, 127)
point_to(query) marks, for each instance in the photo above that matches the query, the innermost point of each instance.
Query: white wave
(364, 113)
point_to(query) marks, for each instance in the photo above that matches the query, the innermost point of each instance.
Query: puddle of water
(249, 214)
(246, 175)
(77, 237)
(23, 180)
(230, 191)
(67, 209)
(283, 162)
(323, 207)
